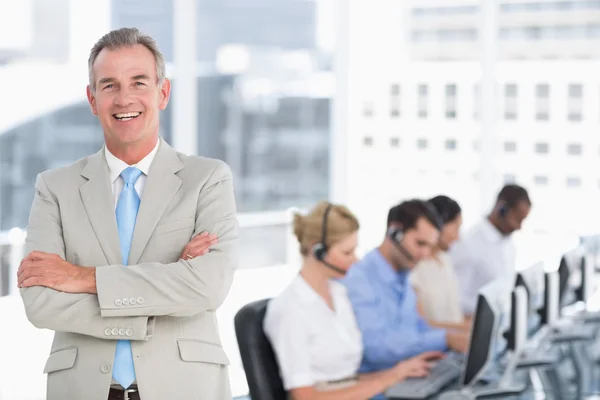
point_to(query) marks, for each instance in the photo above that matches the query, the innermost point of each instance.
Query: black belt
(120, 394)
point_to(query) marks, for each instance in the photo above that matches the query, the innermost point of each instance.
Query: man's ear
(91, 100)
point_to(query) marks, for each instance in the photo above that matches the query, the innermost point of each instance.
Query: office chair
(258, 358)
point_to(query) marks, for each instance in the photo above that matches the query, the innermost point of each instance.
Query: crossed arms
(64, 297)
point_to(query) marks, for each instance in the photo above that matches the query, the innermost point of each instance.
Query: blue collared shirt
(386, 311)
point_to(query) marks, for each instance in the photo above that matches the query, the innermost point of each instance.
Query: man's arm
(388, 342)
(186, 287)
(64, 312)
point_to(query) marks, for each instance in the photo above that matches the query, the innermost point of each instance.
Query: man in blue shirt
(383, 300)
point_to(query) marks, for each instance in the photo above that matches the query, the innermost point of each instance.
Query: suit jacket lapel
(99, 204)
(161, 185)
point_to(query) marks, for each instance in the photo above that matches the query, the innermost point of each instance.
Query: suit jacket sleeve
(66, 312)
(185, 287)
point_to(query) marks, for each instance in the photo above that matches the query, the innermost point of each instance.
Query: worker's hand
(51, 271)
(198, 246)
(416, 367)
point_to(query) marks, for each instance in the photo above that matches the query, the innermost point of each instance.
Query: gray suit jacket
(164, 305)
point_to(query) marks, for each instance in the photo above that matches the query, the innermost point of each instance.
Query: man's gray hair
(126, 37)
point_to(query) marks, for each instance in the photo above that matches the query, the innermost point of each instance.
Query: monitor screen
(564, 272)
(482, 333)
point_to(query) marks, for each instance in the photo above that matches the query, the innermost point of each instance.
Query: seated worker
(434, 279)
(311, 325)
(385, 303)
(487, 251)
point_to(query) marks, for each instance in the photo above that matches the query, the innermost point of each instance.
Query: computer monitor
(532, 280)
(482, 335)
(491, 303)
(564, 273)
(517, 333)
(550, 311)
(570, 271)
(586, 287)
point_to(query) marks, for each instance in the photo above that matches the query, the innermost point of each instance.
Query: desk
(575, 376)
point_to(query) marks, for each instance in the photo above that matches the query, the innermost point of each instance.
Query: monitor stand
(533, 358)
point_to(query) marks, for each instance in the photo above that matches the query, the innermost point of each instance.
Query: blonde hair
(309, 228)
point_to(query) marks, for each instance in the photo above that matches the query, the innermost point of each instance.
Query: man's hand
(51, 271)
(198, 246)
(458, 341)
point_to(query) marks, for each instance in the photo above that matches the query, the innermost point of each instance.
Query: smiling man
(134, 314)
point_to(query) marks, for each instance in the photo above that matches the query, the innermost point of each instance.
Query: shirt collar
(116, 165)
(309, 296)
(490, 232)
(385, 270)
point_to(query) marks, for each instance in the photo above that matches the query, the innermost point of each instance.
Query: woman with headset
(311, 324)
(434, 279)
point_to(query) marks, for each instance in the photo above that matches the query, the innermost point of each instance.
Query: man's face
(514, 218)
(128, 99)
(419, 242)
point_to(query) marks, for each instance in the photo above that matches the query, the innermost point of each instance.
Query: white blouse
(437, 289)
(313, 343)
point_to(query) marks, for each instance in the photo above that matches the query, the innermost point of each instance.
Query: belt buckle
(126, 393)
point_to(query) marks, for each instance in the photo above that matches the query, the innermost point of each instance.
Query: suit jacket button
(105, 369)
(115, 331)
(118, 302)
(128, 332)
(121, 332)
(132, 301)
(125, 302)
(140, 300)
(108, 332)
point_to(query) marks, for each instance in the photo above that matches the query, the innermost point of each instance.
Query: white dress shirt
(436, 284)
(116, 166)
(313, 343)
(480, 256)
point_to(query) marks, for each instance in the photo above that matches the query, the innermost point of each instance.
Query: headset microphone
(320, 249)
(397, 235)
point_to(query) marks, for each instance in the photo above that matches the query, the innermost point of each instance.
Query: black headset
(320, 249)
(397, 234)
(504, 208)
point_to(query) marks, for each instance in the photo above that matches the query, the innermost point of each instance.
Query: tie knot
(131, 174)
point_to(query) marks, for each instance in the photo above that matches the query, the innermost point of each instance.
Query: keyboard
(443, 373)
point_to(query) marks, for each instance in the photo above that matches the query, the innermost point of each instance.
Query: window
(574, 149)
(510, 147)
(542, 102)
(540, 180)
(368, 141)
(509, 178)
(541, 148)
(368, 110)
(422, 100)
(450, 144)
(573, 181)
(575, 102)
(394, 142)
(422, 144)
(476, 100)
(510, 101)
(395, 100)
(451, 101)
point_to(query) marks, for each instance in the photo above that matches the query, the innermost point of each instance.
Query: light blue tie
(127, 209)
